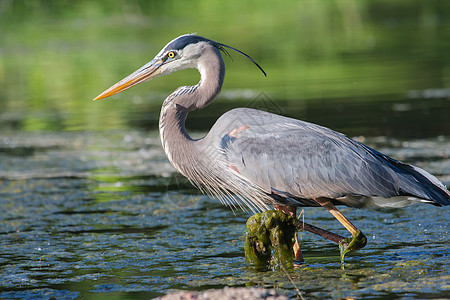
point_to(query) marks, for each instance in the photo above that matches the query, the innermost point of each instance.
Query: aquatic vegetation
(269, 239)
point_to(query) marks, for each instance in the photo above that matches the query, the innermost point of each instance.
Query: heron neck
(179, 147)
(174, 138)
(212, 72)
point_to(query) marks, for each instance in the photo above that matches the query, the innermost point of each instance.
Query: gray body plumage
(296, 162)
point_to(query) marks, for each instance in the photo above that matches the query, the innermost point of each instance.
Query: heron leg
(358, 239)
(289, 210)
(328, 205)
(322, 232)
(292, 211)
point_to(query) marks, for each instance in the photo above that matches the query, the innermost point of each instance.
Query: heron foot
(356, 242)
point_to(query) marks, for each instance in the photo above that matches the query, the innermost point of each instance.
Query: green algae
(269, 239)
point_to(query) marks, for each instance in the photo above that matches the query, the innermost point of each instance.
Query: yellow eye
(171, 54)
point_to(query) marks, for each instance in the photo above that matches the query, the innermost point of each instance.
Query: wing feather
(302, 160)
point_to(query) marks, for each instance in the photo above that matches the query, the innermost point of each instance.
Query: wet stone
(226, 294)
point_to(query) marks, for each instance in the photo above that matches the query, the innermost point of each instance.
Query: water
(104, 215)
(90, 206)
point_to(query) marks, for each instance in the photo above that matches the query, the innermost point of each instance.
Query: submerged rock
(226, 294)
(269, 239)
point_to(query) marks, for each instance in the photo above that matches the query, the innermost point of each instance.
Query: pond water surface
(91, 215)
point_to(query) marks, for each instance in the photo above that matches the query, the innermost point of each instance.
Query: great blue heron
(254, 158)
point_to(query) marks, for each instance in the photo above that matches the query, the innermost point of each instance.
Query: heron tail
(416, 182)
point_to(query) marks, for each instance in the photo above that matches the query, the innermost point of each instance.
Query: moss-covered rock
(269, 239)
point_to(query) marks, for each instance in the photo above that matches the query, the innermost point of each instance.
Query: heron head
(181, 53)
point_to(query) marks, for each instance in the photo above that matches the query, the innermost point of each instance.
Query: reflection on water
(104, 213)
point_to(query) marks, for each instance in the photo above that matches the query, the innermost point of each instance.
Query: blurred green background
(55, 56)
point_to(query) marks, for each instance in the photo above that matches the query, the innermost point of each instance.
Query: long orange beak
(145, 73)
